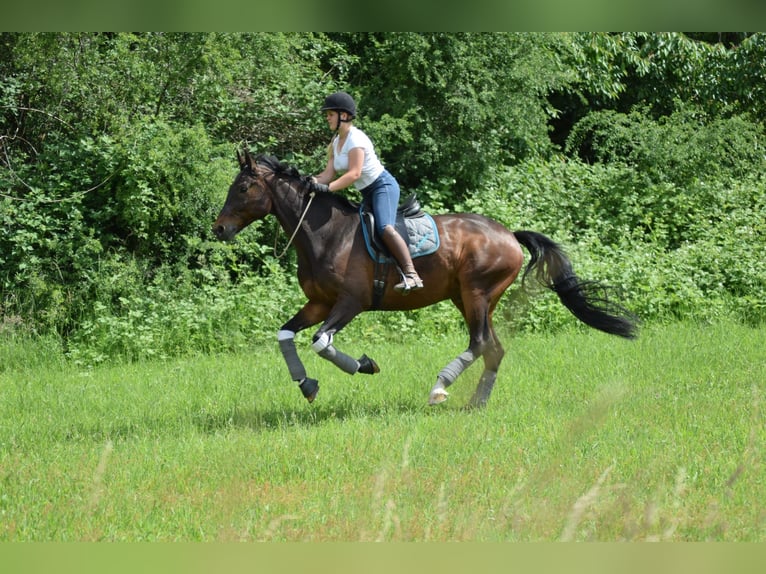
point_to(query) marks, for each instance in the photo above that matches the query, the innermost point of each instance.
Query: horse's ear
(241, 160)
(250, 162)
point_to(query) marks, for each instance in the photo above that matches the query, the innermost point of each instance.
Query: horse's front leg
(340, 315)
(335, 318)
(311, 314)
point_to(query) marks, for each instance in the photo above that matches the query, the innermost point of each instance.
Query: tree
(120, 145)
(659, 71)
(446, 108)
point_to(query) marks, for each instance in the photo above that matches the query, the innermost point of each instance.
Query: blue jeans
(383, 195)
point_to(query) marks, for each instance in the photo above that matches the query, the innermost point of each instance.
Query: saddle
(417, 228)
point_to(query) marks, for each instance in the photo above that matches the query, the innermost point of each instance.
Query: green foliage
(672, 252)
(168, 181)
(264, 88)
(449, 106)
(742, 77)
(683, 148)
(110, 152)
(45, 251)
(116, 150)
(96, 197)
(661, 73)
(659, 70)
(172, 316)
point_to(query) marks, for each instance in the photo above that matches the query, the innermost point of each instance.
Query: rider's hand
(317, 187)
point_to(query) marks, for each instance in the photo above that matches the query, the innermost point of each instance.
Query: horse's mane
(291, 172)
(279, 168)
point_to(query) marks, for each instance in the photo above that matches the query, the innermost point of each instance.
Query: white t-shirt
(371, 167)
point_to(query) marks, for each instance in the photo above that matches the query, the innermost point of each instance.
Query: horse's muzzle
(224, 232)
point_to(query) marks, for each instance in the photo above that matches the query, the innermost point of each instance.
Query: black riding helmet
(340, 102)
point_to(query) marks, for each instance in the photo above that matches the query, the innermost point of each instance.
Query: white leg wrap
(325, 349)
(322, 342)
(453, 370)
(438, 393)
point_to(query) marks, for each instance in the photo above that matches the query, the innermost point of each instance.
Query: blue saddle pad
(419, 232)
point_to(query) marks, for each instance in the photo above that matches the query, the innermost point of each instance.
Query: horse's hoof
(437, 397)
(309, 388)
(368, 366)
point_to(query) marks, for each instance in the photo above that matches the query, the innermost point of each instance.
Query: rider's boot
(398, 248)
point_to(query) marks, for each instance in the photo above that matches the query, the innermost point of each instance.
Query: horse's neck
(289, 211)
(321, 224)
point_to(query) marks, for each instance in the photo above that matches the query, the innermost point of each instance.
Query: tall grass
(586, 437)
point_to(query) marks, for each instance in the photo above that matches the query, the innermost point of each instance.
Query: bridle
(312, 194)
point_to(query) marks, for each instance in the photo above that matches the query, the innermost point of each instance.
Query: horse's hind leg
(478, 314)
(449, 374)
(472, 313)
(493, 356)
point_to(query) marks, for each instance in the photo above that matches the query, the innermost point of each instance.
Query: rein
(297, 227)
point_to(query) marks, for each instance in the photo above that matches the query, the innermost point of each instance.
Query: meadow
(587, 437)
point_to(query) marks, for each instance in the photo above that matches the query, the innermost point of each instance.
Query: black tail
(587, 300)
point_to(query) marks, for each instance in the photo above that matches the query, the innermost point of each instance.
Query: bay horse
(476, 261)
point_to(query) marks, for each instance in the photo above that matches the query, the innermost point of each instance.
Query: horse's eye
(243, 188)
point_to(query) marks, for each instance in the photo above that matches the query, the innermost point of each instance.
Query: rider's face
(332, 118)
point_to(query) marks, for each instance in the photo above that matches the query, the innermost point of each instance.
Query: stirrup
(409, 282)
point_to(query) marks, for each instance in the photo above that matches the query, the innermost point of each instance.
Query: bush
(112, 170)
(170, 316)
(680, 149)
(95, 198)
(671, 253)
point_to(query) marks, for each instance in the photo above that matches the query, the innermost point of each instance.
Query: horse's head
(249, 199)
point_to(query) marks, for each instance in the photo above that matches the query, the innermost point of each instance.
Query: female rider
(351, 154)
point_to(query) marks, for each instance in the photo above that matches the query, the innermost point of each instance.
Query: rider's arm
(355, 161)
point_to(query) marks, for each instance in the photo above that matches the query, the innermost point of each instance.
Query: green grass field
(586, 437)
